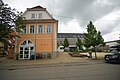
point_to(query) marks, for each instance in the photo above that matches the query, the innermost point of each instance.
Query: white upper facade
(37, 12)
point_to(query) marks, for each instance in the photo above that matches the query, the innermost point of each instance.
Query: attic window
(33, 15)
(40, 15)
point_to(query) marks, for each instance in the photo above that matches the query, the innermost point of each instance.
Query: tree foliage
(99, 39)
(92, 37)
(118, 41)
(10, 20)
(65, 43)
(79, 43)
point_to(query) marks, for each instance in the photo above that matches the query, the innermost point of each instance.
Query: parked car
(113, 56)
(60, 49)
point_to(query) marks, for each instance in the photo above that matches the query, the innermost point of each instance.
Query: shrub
(66, 50)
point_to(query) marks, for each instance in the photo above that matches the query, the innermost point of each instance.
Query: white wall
(45, 15)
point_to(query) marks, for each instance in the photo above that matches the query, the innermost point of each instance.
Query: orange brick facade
(44, 41)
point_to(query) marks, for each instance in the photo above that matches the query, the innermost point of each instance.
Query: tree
(79, 43)
(99, 38)
(92, 37)
(10, 21)
(65, 43)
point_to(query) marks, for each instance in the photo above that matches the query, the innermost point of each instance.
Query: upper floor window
(40, 15)
(33, 15)
(40, 28)
(32, 29)
(23, 30)
(48, 28)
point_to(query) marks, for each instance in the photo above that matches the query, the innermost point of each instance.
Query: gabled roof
(36, 8)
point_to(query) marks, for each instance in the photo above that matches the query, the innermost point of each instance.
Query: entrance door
(26, 52)
(25, 48)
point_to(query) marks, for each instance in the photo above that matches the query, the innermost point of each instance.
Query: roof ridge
(37, 7)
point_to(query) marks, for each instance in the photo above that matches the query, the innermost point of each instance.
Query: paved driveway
(62, 58)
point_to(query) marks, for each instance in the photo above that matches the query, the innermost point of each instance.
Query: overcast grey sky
(74, 15)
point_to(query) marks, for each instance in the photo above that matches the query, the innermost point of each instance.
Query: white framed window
(26, 42)
(25, 49)
(48, 28)
(33, 15)
(40, 16)
(32, 29)
(23, 30)
(40, 28)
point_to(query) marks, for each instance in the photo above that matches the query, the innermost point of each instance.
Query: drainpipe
(35, 39)
(15, 51)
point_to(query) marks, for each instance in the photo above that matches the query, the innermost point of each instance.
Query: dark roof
(36, 8)
(70, 35)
